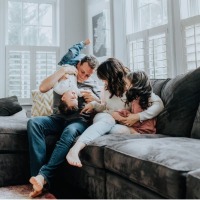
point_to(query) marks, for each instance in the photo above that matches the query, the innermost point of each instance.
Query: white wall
(2, 49)
(72, 23)
(118, 39)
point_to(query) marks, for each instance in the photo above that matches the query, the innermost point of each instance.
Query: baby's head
(69, 101)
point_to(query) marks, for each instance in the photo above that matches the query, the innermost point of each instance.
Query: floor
(21, 192)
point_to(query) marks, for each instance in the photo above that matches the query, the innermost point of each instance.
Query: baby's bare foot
(73, 159)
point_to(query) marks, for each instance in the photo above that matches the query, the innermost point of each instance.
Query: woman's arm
(152, 111)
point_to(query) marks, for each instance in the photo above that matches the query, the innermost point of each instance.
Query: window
(31, 23)
(26, 68)
(31, 52)
(146, 22)
(190, 21)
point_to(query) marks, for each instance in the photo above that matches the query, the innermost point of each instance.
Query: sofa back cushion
(158, 84)
(181, 97)
(9, 106)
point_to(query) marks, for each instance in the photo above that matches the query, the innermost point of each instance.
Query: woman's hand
(131, 119)
(89, 96)
(116, 115)
(88, 108)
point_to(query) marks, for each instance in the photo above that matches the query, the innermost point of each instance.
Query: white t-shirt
(66, 84)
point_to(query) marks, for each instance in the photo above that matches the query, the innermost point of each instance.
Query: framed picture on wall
(100, 29)
(100, 34)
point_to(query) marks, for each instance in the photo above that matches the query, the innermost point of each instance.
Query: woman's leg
(102, 123)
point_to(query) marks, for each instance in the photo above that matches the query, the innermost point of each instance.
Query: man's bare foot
(73, 159)
(35, 193)
(87, 41)
(37, 182)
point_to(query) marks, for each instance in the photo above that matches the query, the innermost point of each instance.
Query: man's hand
(88, 108)
(131, 119)
(89, 96)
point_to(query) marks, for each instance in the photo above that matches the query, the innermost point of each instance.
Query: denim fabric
(40, 127)
(73, 56)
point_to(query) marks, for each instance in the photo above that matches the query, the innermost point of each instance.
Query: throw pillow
(9, 106)
(181, 97)
(42, 103)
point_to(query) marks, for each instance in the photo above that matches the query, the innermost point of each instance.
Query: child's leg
(102, 123)
(73, 52)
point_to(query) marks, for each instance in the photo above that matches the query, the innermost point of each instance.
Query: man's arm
(51, 80)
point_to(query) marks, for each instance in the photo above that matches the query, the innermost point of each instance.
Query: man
(68, 125)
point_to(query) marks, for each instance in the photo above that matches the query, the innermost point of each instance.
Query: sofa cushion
(118, 187)
(93, 154)
(158, 84)
(181, 97)
(42, 103)
(13, 134)
(159, 164)
(9, 106)
(193, 184)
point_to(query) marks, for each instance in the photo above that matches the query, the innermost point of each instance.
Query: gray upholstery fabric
(9, 106)
(158, 164)
(181, 97)
(16, 123)
(118, 187)
(193, 184)
(196, 125)
(93, 154)
(158, 85)
(14, 169)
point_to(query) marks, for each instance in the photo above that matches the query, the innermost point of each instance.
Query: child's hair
(65, 109)
(91, 60)
(140, 87)
(113, 71)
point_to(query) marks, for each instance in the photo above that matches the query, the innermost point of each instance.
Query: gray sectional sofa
(122, 166)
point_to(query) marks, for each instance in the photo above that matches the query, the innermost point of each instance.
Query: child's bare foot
(87, 41)
(37, 182)
(73, 159)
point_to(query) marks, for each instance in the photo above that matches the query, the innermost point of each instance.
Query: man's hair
(65, 109)
(91, 60)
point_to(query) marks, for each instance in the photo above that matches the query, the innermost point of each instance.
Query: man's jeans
(38, 128)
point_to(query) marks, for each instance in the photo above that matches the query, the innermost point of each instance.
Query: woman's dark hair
(65, 109)
(91, 60)
(113, 71)
(141, 87)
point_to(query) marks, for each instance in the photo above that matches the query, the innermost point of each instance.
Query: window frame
(54, 4)
(33, 50)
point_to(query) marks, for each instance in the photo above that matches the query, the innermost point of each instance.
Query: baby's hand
(71, 70)
(87, 41)
(124, 113)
